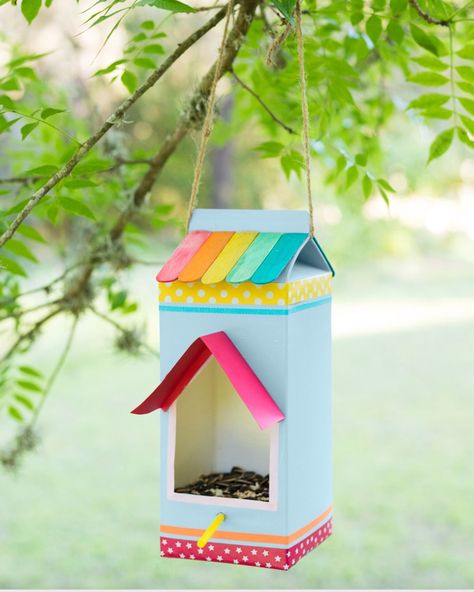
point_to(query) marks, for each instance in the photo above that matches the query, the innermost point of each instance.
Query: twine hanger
(208, 121)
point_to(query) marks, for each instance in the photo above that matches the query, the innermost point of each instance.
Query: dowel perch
(210, 530)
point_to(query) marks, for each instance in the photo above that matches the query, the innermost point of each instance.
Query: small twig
(461, 9)
(151, 263)
(117, 165)
(44, 287)
(20, 180)
(47, 123)
(119, 327)
(21, 338)
(205, 8)
(56, 370)
(427, 17)
(262, 103)
(25, 311)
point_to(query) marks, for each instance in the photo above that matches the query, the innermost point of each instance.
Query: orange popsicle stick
(205, 256)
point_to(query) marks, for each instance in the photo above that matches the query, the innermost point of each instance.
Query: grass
(83, 510)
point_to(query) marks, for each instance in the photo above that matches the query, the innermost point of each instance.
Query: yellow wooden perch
(210, 530)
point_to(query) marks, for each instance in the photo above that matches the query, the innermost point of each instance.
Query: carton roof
(242, 246)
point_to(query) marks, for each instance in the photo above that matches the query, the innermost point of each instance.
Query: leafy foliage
(369, 65)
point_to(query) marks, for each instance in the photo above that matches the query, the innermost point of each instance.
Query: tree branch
(124, 331)
(56, 370)
(264, 105)
(30, 334)
(191, 118)
(427, 17)
(116, 116)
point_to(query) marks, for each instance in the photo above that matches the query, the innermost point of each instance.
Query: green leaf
(395, 31)
(468, 104)
(286, 7)
(429, 79)
(139, 37)
(129, 80)
(144, 63)
(76, 207)
(428, 100)
(18, 248)
(25, 72)
(430, 62)
(30, 9)
(28, 385)
(49, 111)
(424, 40)
(465, 139)
(117, 299)
(373, 28)
(17, 416)
(79, 183)
(398, 6)
(384, 196)
(270, 149)
(27, 129)
(6, 102)
(30, 371)
(351, 175)
(24, 401)
(357, 17)
(361, 159)
(5, 124)
(384, 184)
(31, 233)
(292, 162)
(53, 213)
(10, 84)
(467, 52)
(378, 5)
(367, 186)
(12, 266)
(45, 170)
(171, 5)
(154, 48)
(110, 68)
(468, 124)
(466, 72)
(147, 25)
(437, 113)
(466, 87)
(441, 144)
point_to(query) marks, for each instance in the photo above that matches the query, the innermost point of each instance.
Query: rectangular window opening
(219, 450)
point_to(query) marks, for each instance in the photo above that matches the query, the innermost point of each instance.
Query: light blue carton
(282, 331)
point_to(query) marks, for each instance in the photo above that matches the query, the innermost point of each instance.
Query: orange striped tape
(247, 536)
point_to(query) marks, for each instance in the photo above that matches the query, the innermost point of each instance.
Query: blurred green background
(82, 511)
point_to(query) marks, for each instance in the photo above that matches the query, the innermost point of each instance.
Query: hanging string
(208, 121)
(305, 112)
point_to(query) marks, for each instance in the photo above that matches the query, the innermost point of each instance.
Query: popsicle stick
(228, 257)
(210, 530)
(182, 255)
(206, 255)
(253, 257)
(279, 257)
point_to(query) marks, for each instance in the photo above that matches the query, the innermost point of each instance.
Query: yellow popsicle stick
(228, 257)
(210, 530)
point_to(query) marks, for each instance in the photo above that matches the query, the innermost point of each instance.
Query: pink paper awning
(247, 385)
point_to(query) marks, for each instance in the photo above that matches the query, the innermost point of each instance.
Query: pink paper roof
(249, 388)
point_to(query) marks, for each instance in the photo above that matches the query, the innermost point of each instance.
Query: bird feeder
(245, 392)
